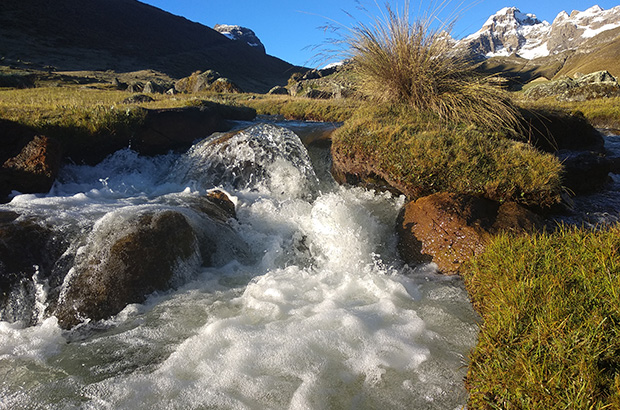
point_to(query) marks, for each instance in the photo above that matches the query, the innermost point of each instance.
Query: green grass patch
(300, 108)
(601, 112)
(420, 155)
(551, 332)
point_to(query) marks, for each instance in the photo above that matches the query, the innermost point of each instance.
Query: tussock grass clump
(551, 332)
(415, 153)
(400, 60)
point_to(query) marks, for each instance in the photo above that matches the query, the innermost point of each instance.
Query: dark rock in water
(220, 206)
(449, 229)
(138, 98)
(127, 268)
(33, 169)
(26, 249)
(585, 171)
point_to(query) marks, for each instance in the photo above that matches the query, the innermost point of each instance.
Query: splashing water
(319, 314)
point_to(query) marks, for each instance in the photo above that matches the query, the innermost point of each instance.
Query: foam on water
(320, 315)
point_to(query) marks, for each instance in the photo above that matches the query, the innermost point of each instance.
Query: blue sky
(290, 29)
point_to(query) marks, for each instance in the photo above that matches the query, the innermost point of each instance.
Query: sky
(294, 30)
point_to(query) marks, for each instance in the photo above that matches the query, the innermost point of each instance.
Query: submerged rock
(28, 253)
(124, 268)
(449, 229)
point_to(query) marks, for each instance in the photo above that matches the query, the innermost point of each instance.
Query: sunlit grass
(551, 332)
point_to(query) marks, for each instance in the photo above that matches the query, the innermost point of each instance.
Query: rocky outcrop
(206, 81)
(241, 34)
(138, 262)
(600, 84)
(449, 229)
(278, 90)
(30, 162)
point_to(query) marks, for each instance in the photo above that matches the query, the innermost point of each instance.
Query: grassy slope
(551, 332)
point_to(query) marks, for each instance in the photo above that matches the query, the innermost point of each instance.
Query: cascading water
(312, 309)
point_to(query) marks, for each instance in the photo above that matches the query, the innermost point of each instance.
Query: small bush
(551, 332)
(398, 60)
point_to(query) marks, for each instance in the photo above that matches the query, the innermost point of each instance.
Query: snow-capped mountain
(240, 33)
(509, 31)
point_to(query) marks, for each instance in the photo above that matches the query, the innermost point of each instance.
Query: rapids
(316, 312)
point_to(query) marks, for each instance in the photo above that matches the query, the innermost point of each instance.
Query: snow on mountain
(240, 33)
(509, 31)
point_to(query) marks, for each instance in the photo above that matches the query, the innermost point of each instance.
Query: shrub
(398, 60)
(551, 332)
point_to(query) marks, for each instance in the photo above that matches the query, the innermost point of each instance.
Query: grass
(299, 108)
(420, 155)
(400, 60)
(602, 112)
(551, 332)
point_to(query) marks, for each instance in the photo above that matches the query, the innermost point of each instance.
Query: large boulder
(124, 267)
(448, 229)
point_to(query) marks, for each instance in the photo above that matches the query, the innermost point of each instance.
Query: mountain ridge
(511, 32)
(127, 35)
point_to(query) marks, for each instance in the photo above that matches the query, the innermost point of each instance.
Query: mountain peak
(244, 34)
(509, 31)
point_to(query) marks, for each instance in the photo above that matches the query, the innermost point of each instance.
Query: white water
(320, 313)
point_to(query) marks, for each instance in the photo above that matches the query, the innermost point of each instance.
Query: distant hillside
(126, 35)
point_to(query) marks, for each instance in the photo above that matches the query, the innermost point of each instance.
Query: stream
(315, 310)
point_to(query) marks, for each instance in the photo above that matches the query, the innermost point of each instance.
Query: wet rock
(448, 229)
(27, 248)
(33, 169)
(124, 268)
